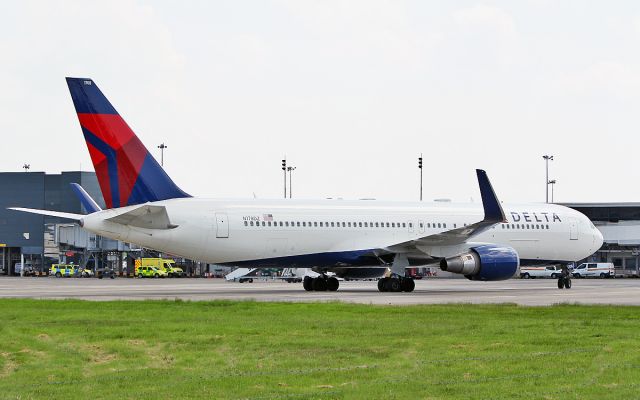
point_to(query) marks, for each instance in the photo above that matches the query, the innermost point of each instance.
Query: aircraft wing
(493, 214)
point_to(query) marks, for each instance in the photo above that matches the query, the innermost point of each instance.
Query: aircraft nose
(598, 240)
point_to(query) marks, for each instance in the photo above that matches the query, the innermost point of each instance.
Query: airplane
(335, 238)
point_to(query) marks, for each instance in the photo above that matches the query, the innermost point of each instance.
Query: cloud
(486, 17)
(611, 77)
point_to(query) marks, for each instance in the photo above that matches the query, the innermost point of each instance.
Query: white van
(549, 271)
(600, 270)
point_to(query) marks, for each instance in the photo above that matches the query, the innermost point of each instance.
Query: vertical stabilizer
(128, 174)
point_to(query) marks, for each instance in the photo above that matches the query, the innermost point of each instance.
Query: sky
(351, 92)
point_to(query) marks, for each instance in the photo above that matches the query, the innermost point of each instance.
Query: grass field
(237, 350)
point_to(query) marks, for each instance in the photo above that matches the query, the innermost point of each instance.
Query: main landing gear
(320, 284)
(396, 284)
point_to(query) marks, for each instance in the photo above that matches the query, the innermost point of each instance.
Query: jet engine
(484, 263)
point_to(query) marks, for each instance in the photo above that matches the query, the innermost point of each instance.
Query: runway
(538, 292)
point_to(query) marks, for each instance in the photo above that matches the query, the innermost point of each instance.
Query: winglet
(89, 204)
(492, 208)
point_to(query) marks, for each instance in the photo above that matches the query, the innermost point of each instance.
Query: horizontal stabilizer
(58, 214)
(146, 216)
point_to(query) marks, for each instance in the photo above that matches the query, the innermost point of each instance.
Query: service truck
(164, 264)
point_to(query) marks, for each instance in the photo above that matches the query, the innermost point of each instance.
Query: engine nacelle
(484, 263)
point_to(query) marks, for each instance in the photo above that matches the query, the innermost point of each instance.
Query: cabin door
(573, 228)
(222, 225)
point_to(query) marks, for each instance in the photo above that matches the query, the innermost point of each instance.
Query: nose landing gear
(564, 282)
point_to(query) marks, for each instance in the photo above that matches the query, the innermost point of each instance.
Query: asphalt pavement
(533, 292)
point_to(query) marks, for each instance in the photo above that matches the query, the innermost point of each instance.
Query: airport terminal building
(620, 227)
(36, 237)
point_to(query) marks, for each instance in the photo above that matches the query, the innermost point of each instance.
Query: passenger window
(421, 225)
(393, 224)
(269, 223)
(332, 224)
(438, 224)
(286, 223)
(304, 223)
(444, 225)
(246, 223)
(360, 224)
(320, 224)
(251, 223)
(404, 224)
(343, 224)
(315, 224)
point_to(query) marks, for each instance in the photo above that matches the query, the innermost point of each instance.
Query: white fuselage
(234, 231)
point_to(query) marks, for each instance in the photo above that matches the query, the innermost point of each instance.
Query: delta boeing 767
(349, 238)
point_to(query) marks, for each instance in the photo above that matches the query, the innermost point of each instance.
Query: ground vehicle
(166, 265)
(60, 270)
(549, 271)
(29, 270)
(150, 272)
(600, 270)
(85, 273)
(106, 273)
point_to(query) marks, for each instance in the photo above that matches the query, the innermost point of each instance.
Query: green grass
(237, 350)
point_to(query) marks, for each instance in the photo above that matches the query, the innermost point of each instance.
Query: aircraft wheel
(393, 285)
(567, 283)
(382, 284)
(408, 284)
(560, 283)
(319, 284)
(332, 284)
(307, 283)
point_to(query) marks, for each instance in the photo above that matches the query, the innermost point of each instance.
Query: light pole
(162, 147)
(552, 183)
(420, 166)
(290, 169)
(547, 158)
(284, 170)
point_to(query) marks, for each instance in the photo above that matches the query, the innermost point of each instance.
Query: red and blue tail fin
(128, 174)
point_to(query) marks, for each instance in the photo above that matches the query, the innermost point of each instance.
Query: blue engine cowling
(484, 263)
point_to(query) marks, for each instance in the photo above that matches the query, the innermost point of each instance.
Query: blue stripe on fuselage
(361, 258)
